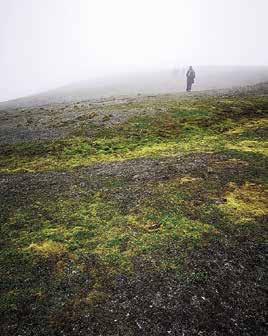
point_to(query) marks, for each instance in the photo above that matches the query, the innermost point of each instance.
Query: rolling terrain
(135, 215)
(144, 83)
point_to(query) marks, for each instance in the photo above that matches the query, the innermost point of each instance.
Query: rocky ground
(135, 216)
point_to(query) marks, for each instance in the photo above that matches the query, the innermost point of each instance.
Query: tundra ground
(135, 216)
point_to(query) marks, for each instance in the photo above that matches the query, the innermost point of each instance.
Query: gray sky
(49, 43)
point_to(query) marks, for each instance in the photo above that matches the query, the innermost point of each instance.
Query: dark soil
(222, 293)
(203, 283)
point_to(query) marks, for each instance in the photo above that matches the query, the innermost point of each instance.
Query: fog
(45, 44)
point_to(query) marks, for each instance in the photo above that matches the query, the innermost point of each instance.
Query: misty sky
(49, 43)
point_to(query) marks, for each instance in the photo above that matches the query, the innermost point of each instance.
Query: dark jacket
(190, 75)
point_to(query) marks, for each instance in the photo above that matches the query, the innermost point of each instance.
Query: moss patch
(246, 203)
(71, 251)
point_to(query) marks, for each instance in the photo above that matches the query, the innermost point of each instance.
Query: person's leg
(188, 85)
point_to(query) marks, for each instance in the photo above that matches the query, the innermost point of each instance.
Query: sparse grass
(65, 253)
(182, 129)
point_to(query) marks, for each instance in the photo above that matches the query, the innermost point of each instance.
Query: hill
(135, 215)
(145, 83)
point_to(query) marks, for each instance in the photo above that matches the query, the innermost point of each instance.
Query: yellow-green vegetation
(65, 247)
(246, 203)
(204, 126)
(48, 248)
(100, 227)
(254, 146)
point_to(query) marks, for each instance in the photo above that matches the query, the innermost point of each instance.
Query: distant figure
(190, 78)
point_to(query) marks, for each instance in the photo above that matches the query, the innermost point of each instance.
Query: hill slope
(135, 216)
(157, 82)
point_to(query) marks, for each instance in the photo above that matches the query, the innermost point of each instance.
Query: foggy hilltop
(145, 83)
(133, 167)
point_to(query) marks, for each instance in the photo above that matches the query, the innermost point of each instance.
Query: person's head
(190, 67)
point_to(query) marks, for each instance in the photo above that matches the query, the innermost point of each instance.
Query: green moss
(77, 245)
(48, 248)
(259, 147)
(246, 125)
(181, 127)
(73, 227)
(246, 203)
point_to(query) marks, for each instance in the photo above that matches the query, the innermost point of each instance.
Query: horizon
(124, 75)
(150, 82)
(51, 45)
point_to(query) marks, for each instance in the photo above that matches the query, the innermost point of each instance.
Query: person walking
(190, 78)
